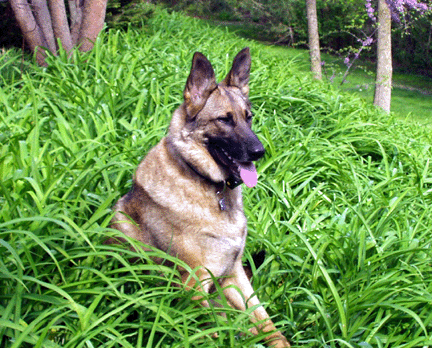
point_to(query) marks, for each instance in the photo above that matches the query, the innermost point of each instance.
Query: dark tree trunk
(76, 19)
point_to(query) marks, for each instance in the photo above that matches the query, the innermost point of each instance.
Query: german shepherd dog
(186, 199)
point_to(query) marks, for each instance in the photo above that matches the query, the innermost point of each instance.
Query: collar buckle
(232, 182)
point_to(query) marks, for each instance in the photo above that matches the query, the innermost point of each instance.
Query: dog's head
(219, 118)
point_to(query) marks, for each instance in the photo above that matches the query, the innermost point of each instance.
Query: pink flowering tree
(382, 13)
(388, 10)
(384, 71)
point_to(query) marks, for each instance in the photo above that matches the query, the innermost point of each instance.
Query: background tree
(314, 47)
(384, 72)
(388, 9)
(45, 24)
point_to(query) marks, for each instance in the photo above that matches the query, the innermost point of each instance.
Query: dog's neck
(220, 185)
(231, 182)
(220, 195)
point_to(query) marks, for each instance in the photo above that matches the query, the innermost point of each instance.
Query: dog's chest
(222, 247)
(227, 246)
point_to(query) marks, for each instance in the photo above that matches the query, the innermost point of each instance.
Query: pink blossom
(367, 42)
(398, 8)
(370, 10)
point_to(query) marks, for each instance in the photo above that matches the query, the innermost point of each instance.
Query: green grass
(342, 208)
(411, 94)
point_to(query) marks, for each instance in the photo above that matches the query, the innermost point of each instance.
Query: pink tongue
(248, 174)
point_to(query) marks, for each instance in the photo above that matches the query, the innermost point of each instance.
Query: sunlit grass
(342, 207)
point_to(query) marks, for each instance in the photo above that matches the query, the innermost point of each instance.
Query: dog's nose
(256, 151)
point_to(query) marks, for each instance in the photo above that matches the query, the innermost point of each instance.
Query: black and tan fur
(180, 202)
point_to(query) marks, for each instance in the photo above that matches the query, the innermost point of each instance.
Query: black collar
(232, 182)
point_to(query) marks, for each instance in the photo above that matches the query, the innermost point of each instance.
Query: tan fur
(175, 202)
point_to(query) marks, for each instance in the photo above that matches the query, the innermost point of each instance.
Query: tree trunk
(43, 18)
(76, 19)
(31, 30)
(92, 23)
(314, 47)
(383, 82)
(60, 23)
(42, 26)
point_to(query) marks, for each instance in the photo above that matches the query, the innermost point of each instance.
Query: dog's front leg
(240, 282)
(204, 280)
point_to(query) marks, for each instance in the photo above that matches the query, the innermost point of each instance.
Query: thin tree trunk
(314, 47)
(30, 29)
(429, 42)
(92, 23)
(60, 23)
(383, 82)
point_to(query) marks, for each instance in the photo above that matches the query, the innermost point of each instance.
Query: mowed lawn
(411, 94)
(342, 208)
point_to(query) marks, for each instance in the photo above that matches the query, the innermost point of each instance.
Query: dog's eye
(227, 119)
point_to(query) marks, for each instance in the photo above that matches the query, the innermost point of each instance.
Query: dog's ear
(200, 83)
(239, 73)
